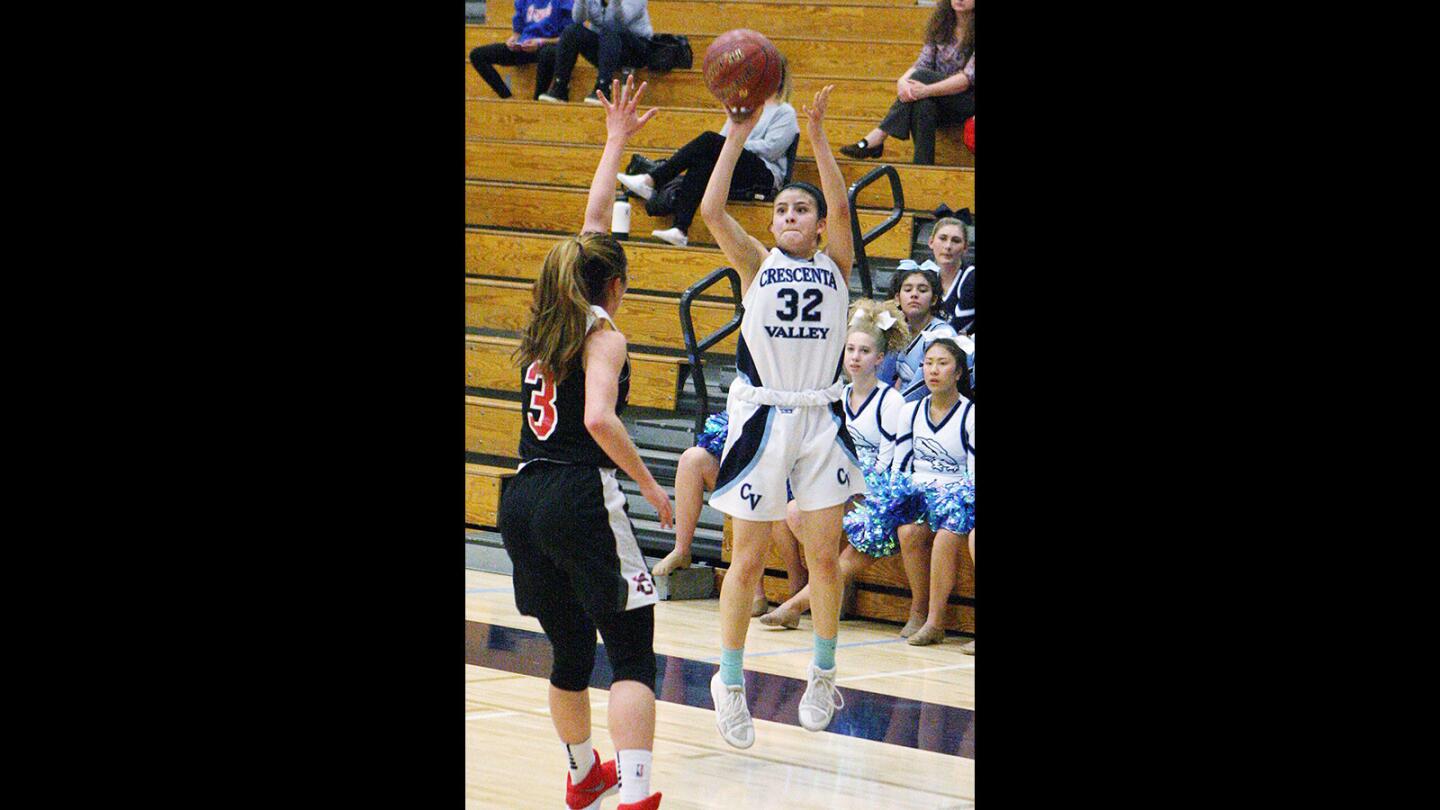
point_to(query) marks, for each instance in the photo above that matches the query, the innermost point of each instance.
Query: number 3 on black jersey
(542, 401)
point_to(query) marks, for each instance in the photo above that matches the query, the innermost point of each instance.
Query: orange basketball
(742, 69)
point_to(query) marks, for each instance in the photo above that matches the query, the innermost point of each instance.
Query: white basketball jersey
(792, 337)
(934, 452)
(873, 428)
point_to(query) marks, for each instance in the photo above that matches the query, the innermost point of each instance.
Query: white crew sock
(582, 759)
(633, 767)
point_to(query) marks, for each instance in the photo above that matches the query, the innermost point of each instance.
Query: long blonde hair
(575, 275)
(865, 315)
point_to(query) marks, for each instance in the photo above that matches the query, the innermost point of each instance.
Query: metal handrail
(693, 349)
(897, 210)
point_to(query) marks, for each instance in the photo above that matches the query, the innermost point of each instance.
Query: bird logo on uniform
(935, 455)
(863, 447)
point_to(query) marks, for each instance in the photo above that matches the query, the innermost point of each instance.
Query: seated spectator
(611, 34)
(949, 242)
(762, 163)
(938, 91)
(537, 26)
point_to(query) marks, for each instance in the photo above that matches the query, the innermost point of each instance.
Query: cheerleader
(937, 452)
(917, 291)
(872, 416)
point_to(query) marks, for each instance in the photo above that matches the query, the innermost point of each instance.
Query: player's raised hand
(620, 118)
(742, 124)
(816, 115)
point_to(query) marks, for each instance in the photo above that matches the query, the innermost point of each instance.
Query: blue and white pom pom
(712, 438)
(951, 506)
(891, 501)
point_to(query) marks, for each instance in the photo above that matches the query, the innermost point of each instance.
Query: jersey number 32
(541, 414)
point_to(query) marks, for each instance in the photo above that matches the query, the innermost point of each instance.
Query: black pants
(576, 566)
(606, 49)
(921, 118)
(697, 160)
(497, 54)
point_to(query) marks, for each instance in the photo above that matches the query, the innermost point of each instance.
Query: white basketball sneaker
(732, 716)
(821, 699)
(674, 236)
(639, 184)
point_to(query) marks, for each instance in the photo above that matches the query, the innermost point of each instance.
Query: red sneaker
(650, 803)
(602, 781)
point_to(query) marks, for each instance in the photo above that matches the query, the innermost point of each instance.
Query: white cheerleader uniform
(786, 418)
(873, 427)
(912, 358)
(936, 452)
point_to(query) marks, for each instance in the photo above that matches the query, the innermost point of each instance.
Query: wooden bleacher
(653, 266)
(528, 167)
(646, 320)
(482, 493)
(863, 97)
(522, 119)
(560, 163)
(561, 210)
(805, 55)
(492, 426)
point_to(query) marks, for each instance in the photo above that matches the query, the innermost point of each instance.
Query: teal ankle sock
(730, 671)
(824, 652)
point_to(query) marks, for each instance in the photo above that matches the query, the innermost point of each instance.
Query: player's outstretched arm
(839, 245)
(604, 357)
(620, 123)
(743, 251)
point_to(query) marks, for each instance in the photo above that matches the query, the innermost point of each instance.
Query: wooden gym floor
(905, 738)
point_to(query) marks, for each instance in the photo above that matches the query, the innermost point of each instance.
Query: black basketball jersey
(552, 422)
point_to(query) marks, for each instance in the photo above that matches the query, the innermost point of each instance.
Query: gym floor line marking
(715, 659)
(877, 716)
(488, 715)
(897, 673)
(544, 710)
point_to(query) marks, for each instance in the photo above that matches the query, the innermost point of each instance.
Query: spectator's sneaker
(968, 647)
(600, 782)
(559, 92)
(602, 90)
(637, 185)
(651, 802)
(732, 716)
(862, 150)
(674, 236)
(821, 699)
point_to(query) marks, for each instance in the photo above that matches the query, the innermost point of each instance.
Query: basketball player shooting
(784, 409)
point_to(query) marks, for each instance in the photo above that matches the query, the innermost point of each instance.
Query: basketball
(742, 69)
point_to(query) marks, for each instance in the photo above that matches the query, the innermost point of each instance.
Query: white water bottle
(620, 217)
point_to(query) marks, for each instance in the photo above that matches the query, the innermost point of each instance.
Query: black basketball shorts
(569, 537)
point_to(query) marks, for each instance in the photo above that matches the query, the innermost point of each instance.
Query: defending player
(784, 409)
(562, 518)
